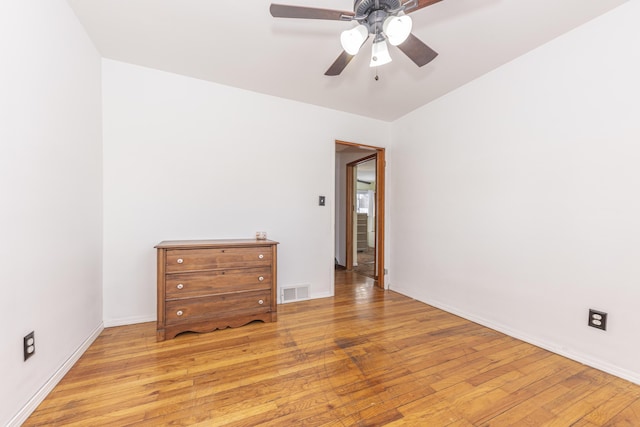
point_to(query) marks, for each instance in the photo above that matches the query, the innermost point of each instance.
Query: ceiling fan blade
(422, 4)
(417, 51)
(339, 64)
(285, 11)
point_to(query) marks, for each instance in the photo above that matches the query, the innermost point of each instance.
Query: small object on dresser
(261, 235)
(205, 285)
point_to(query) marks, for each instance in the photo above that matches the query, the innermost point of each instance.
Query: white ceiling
(238, 43)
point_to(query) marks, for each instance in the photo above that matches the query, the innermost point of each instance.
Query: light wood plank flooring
(363, 358)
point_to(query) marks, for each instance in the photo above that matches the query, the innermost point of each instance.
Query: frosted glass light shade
(397, 28)
(379, 54)
(352, 39)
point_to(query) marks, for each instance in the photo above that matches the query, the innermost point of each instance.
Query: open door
(363, 154)
(361, 197)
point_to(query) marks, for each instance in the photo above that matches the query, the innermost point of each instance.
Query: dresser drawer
(205, 259)
(217, 306)
(185, 285)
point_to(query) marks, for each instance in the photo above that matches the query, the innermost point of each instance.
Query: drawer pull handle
(260, 256)
(180, 261)
(180, 286)
(179, 313)
(261, 278)
(260, 302)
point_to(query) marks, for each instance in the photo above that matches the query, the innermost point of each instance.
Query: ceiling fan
(385, 20)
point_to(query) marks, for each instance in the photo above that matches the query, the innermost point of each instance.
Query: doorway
(360, 242)
(361, 177)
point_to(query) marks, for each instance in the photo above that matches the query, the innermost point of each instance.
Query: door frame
(380, 209)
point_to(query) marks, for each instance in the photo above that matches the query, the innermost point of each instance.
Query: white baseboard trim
(585, 359)
(44, 391)
(108, 323)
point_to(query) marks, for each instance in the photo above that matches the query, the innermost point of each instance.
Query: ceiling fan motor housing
(372, 13)
(364, 7)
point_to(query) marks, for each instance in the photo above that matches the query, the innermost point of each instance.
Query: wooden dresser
(205, 285)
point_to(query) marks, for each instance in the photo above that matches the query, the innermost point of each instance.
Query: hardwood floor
(366, 357)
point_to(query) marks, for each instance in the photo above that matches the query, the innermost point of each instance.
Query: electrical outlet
(597, 319)
(29, 345)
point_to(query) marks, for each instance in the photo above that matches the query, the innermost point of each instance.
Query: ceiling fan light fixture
(397, 28)
(379, 53)
(352, 39)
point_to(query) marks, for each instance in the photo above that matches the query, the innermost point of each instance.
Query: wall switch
(321, 201)
(29, 345)
(597, 319)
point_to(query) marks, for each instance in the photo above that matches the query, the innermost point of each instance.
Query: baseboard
(44, 391)
(123, 321)
(585, 359)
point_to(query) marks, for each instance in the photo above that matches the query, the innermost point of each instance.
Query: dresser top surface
(179, 244)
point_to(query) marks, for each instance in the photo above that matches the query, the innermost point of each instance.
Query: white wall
(190, 159)
(50, 188)
(528, 210)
